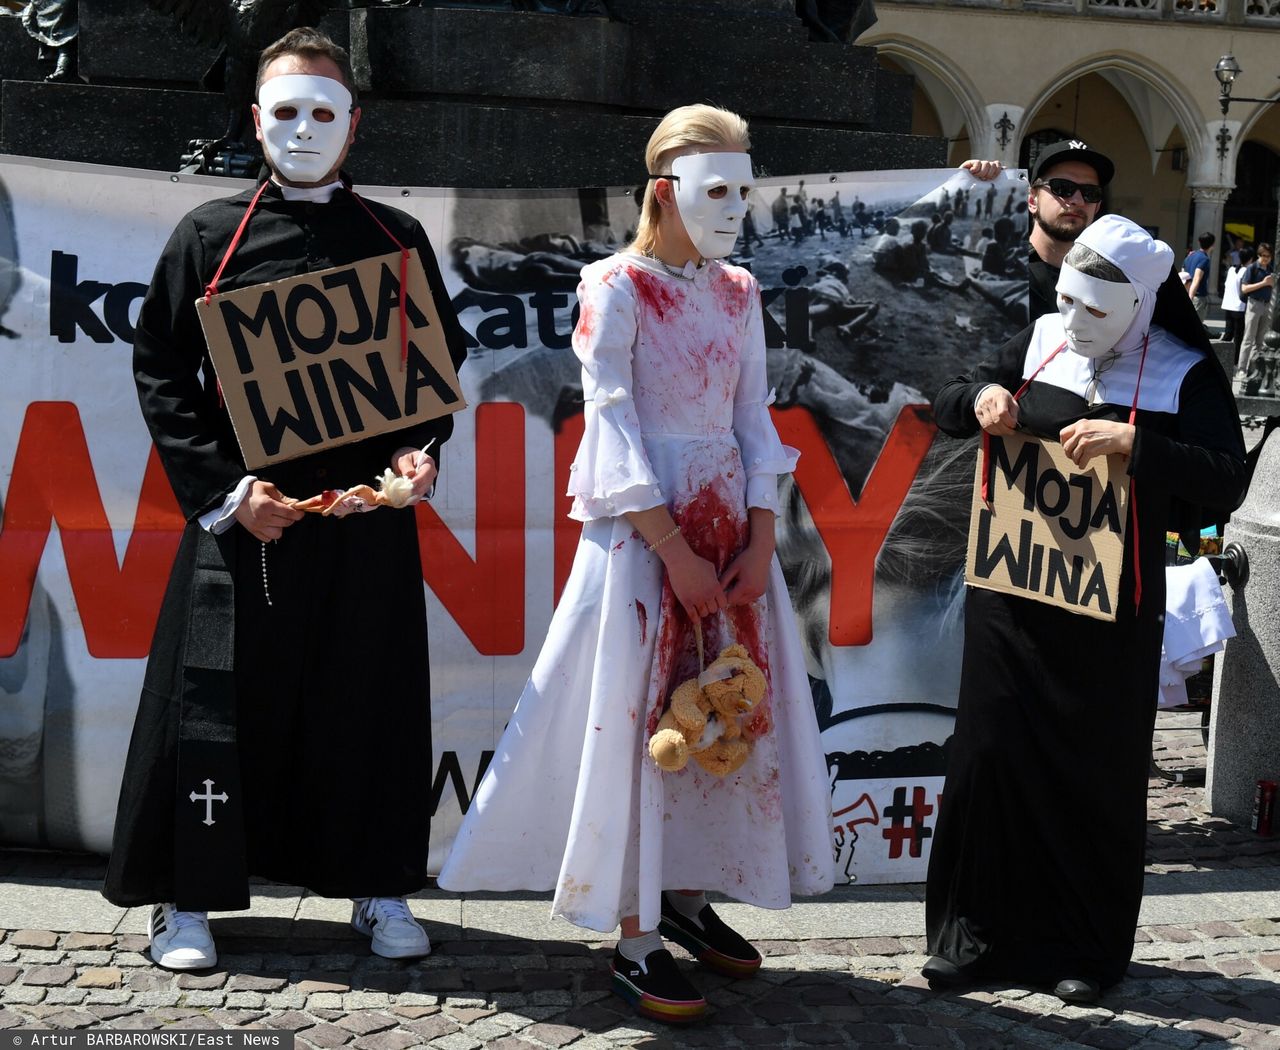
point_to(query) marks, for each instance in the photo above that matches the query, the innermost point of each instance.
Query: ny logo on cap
(1077, 144)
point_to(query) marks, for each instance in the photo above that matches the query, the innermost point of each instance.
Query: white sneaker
(180, 940)
(395, 932)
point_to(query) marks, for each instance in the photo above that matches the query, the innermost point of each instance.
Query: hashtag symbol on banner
(906, 823)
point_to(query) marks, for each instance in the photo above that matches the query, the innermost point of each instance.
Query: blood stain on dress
(733, 294)
(642, 614)
(653, 293)
(586, 321)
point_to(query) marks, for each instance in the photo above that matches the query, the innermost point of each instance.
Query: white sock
(688, 906)
(637, 949)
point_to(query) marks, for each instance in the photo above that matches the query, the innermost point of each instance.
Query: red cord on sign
(986, 437)
(1133, 491)
(211, 289)
(404, 278)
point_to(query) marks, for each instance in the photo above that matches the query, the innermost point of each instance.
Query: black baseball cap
(1074, 149)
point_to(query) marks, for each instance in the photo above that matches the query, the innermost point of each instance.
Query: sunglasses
(1065, 189)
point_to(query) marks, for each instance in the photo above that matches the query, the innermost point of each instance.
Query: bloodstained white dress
(677, 414)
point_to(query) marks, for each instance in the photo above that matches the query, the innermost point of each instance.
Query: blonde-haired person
(675, 483)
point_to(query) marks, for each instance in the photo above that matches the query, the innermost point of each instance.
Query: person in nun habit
(284, 723)
(1037, 861)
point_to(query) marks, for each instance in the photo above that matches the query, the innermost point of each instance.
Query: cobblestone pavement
(1208, 983)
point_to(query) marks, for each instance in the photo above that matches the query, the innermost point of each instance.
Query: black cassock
(310, 713)
(1037, 861)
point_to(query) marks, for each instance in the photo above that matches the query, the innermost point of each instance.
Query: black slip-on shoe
(657, 990)
(715, 945)
(1078, 990)
(943, 973)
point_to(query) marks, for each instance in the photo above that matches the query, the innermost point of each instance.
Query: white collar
(314, 194)
(1167, 364)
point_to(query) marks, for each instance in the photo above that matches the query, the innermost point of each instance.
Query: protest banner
(315, 361)
(860, 326)
(1052, 532)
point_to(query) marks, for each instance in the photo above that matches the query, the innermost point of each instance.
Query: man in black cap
(1065, 195)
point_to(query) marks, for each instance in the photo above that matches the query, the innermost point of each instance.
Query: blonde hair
(683, 129)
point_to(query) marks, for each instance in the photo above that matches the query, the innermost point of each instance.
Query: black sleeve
(440, 429)
(195, 444)
(1205, 463)
(953, 405)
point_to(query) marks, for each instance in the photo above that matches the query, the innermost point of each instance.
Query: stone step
(649, 66)
(894, 94)
(128, 40)
(133, 127)
(435, 142)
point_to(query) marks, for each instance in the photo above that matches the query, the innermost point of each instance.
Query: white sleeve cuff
(762, 491)
(222, 518)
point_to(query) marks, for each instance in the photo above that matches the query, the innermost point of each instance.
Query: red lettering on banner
(53, 481)
(566, 531)
(853, 531)
(485, 595)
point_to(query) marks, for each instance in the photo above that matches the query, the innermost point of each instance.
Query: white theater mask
(711, 195)
(1095, 313)
(305, 124)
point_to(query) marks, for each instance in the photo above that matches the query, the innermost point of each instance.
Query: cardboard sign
(1053, 533)
(313, 362)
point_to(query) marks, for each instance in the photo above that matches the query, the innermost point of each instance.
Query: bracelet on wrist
(669, 536)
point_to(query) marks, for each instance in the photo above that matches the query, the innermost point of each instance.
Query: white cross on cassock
(208, 798)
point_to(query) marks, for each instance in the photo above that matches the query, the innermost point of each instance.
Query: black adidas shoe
(658, 989)
(715, 945)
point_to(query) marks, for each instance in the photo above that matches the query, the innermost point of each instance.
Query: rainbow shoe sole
(656, 1007)
(697, 944)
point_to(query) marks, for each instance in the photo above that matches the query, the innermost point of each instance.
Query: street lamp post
(1262, 380)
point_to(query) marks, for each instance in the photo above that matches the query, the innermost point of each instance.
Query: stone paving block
(366, 1022)
(464, 1015)
(324, 1001)
(76, 942)
(108, 997)
(245, 1000)
(41, 957)
(323, 983)
(456, 1041)
(292, 1019)
(245, 982)
(32, 939)
(394, 1039)
(71, 1019)
(9, 974)
(511, 1042)
(430, 1028)
(205, 999)
(100, 977)
(49, 976)
(1208, 1027)
(556, 1035)
(65, 996)
(1110, 1038)
(202, 981)
(818, 1034)
(328, 1036)
(921, 1035)
(512, 1020)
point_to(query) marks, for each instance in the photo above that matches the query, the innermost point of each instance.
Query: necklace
(678, 274)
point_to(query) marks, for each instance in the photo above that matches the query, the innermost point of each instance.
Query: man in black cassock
(284, 727)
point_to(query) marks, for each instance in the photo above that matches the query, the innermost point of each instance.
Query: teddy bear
(702, 721)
